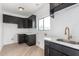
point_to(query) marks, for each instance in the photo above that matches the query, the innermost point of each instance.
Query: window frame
(43, 24)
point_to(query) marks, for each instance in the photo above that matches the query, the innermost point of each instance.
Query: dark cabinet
(70, 51)
(20, 23)
(55, 49)
(32, 21)
(50, 50)
(46, 49)
(27, 22)
(31, 39)
(54, 52)
(10, 19)
(54, 7)
(21, 38)
(23, 23)
(28, 39)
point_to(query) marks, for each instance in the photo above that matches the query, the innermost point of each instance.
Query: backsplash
(67, 17)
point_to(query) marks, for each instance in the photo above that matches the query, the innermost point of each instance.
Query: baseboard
(9, 43)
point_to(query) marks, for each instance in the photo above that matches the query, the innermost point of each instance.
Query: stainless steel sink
(68, 41)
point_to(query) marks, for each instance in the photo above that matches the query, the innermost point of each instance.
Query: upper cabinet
(54, 7)
(28, 22)
(32, 21)
(21, 22)
(25, 23)
(10, 19)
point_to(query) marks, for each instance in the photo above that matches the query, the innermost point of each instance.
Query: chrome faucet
(67, 32)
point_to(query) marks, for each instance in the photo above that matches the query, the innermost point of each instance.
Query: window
(41, 24)
(44, 23)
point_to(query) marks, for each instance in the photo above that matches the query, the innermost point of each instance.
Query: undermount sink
(68, 41)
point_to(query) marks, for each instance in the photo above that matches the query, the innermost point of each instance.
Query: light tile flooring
(21, 50)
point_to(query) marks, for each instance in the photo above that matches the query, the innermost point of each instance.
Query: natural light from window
(44, 23)
(41, 24)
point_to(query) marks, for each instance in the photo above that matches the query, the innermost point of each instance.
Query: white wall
(43, 12)
(27, 31)
(67, 17)
(9, 33)
(0, 27)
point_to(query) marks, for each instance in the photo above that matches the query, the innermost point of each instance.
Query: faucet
(67, 32)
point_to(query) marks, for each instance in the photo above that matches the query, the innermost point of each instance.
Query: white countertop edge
(75, 46)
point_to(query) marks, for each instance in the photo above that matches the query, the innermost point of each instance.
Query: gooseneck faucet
(67, 32)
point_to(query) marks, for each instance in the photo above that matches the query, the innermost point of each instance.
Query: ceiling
(29, 8)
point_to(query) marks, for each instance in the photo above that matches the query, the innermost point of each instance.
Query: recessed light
(20, 8)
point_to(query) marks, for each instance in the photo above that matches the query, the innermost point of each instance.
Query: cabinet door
(25, 22)
(10, 19)
(46, 50)
(29, 23)
(20, 38)
(20, 23)
(32, 21)
(70, 51)
(25, 38)
(54, 52)
(31, 40)
(7, 19)
(53, 49)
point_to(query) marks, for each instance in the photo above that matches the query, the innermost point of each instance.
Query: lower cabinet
(21, 38)
(55, 49)
(54, 52)
(46, 50)
(49, 51)
(28, 39)
(31, 40)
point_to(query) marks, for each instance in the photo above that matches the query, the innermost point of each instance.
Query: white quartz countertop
(75, 46)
